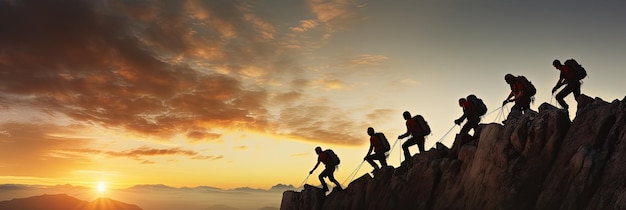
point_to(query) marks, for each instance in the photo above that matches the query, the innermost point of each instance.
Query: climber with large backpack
(571, 74)
(331, 161)
(380, 145)
(473, 109)
(522, 92)
(418, 128)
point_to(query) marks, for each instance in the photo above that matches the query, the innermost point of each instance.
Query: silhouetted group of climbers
(522, 93)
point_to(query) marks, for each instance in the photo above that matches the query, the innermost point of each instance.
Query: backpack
(384, 141)
(529, 88)
(423, 124)
(580, 72)
(479, 105)
(334, 159)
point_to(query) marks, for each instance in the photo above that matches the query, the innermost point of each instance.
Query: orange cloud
(331, 84)
(145, 151)
(381, 113)
(305, 25)
(161, 68)
(72, 58)
(321, 124)
(142, 152)
(243, 147)
(335, 10)
(300, 154)
(366, 60)
(201, 135)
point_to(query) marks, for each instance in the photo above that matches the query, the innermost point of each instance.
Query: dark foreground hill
(64, 202)
(539, 160)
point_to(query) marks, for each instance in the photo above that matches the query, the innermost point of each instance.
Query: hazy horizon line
(279, 186)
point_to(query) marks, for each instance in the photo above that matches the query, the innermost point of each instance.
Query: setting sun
(101, 187)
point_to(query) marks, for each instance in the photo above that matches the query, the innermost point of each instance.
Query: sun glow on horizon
(101, 187)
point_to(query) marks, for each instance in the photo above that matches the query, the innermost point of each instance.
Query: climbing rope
(392, 147)
(444, 135)
(505, 111)
(499, 115)
(503, 114)
(353, 174)
(400, 153)
(495, 110)
(305, 179)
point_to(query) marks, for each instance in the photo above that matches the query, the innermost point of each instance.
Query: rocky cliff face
(539, 160)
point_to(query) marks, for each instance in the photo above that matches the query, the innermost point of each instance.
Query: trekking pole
(444, 135)
(305, 179)
(353, 174)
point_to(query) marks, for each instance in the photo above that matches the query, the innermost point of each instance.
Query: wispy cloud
(330, 84)
(140, 154)
(300, 154)
(323, 123)
(203, 135)
(305, 25)
(405, 82)
(145, 151)
(365, 61)
(243, 147)
(378, 113)
(335, 12)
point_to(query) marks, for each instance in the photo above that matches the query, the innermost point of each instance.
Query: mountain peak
(537, 160)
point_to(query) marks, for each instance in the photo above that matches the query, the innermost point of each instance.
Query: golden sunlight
(101, 187)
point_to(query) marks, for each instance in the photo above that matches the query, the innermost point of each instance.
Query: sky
(230, 94)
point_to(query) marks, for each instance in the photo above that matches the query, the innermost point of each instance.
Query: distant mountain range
(225, 207)
(64, 202)
(152, 196)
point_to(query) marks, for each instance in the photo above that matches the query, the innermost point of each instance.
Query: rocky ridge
(538, 160)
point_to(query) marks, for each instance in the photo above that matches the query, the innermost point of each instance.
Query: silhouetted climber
(571, 74)
(330, 160)
(473, 108)
(380, 145)
(416, 127)
(522, 92)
